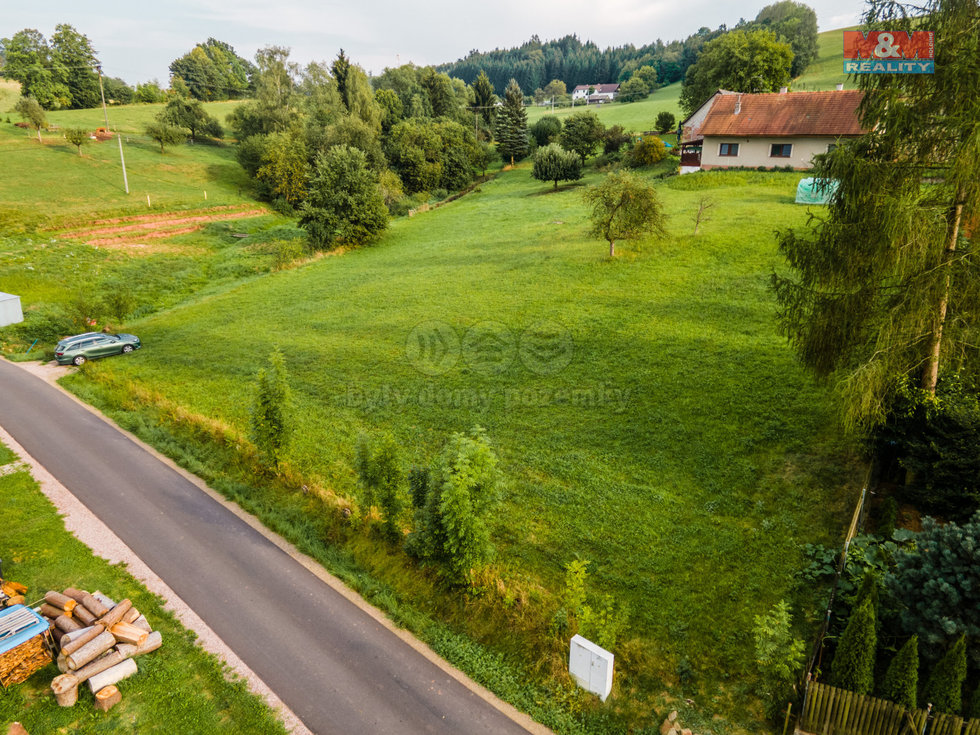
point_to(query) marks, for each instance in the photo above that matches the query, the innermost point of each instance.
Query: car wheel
(78, 360)
(127, 349)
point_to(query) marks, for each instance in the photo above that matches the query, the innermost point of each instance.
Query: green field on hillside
(178, 688)
(682, 451)
(635, 116)
(827, 70)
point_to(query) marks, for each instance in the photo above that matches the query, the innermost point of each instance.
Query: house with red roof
(595, 93)
(774, 130)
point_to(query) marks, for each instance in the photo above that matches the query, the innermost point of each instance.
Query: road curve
(337, 668)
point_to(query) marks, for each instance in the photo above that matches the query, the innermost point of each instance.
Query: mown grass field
(178, 687)
(681, 450)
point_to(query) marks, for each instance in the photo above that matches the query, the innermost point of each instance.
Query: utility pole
(105, 114)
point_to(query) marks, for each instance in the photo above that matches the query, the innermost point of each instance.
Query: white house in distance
(773, 130)
(600, 93)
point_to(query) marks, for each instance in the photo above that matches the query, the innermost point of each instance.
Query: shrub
(648, 151)
(269, 419)
(615, 138)
(945, 686)
(379, 468)
(665, 122)
(778, 654)
(554, 163)
(452, 527)
(546, 130)
(901, 683)
(853, 664)
(887, 518)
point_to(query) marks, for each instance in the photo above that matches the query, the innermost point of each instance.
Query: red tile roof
(785, 115)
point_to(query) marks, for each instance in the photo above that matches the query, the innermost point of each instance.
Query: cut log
(107, 698)
(59, 600)
(104, 599)
(142, 622)
(58, 635)
(65, 623)
(131, 615)
(76, 594)
(99, 665)
(62, 664)
(83, 616)
(126, 633)
(73, 641)
(153, 641)
(111, 676)
(94, 648)
(50, 611)
(13, 588)
(115, 614)
(65, 688)
(94, 606)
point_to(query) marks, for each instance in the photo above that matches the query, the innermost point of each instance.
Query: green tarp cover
(815, 191)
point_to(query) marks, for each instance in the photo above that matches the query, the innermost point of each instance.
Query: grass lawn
(648, 417)
(38, 174)
(9, 94)
(179, 688)
(635, 116)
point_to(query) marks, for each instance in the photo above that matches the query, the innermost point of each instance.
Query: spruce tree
(485, 100)
(902, 678)
(945, 686)
(512, 140)
(854, 662)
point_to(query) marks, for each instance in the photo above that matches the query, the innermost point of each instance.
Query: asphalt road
(339, 670)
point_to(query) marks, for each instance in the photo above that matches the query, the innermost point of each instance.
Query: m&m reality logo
(885, 52)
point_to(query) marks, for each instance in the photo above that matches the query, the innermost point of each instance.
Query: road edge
(50, 374)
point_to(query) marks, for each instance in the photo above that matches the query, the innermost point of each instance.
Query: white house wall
(754, 152)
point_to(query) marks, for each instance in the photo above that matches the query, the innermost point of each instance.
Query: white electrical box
(591, 666)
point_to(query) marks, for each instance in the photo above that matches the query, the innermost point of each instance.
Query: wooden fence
(832, 711)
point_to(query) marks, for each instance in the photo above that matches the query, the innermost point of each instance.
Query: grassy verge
(178, 688)
(680, 450)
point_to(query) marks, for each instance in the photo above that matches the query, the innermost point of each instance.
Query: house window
(728, 149)
(781, 150)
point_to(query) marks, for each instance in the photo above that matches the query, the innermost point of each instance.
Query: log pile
(96, 641)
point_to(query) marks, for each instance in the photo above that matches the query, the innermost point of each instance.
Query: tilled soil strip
(149, 226)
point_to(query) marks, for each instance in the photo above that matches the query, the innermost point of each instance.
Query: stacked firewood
(95, 641)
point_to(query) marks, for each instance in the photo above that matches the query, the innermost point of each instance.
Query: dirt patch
(124, 233)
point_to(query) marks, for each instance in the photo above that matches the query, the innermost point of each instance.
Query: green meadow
(827, 70)
(635, 116)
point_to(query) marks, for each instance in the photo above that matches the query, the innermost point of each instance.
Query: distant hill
(827, 70)
(9, 92)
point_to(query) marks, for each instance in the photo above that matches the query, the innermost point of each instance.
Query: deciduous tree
(554, 163)
(624, 207)
(28, 60)
(270, 424)
(739, 61)
(344, 205)
(32, 113)
(165, 134)
(582, 132)
(379, 466)
(795, 23)
(77, 137)
(73, 52)
(190, 113)
(665, 122)
(885, 285)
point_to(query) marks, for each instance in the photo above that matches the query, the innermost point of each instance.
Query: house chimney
(738, 104)
(783, 90)
(840, 86)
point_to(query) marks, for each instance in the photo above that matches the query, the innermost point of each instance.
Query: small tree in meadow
(901, 683)
(624, 207)
(32, 113)
(77, 137)
(165, 134)
(554, 163)
(379, 466)
(665, 122)
(270, 426)
(854, 662)
(944, 689)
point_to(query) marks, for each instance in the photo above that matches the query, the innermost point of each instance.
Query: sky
(137, 41)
